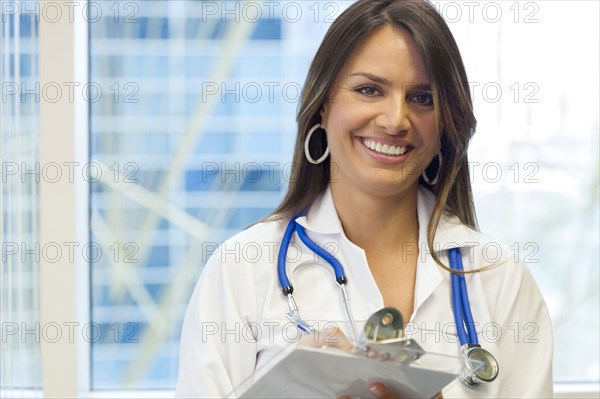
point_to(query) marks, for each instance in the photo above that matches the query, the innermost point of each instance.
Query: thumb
(381, 391)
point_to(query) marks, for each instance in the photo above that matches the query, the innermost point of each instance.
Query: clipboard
(326, 372)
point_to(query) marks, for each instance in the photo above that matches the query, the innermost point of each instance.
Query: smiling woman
(381, 175)
(369, 116)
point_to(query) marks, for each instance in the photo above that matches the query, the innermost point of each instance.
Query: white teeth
(385, 148)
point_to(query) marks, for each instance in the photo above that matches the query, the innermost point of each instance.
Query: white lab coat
(235, 322)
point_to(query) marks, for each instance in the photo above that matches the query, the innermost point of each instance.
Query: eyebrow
(419, 86)
(384, 81)
(374, 78)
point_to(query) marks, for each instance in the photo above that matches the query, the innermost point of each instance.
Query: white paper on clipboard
(326, 372)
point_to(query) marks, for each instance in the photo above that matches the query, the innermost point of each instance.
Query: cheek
(346, 116)
(429, 132)
(341, 123)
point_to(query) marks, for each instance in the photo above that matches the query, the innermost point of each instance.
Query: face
(379, 118)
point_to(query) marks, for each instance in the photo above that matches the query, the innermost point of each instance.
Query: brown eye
(368, 90)
(422, 98)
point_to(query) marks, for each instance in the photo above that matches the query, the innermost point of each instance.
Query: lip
(386, 159)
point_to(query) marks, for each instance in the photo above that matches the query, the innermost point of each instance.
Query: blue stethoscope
(480, 364)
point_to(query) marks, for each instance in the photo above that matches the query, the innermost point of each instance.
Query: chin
(386, 184)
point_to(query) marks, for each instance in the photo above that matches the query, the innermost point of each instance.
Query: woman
(381, 180)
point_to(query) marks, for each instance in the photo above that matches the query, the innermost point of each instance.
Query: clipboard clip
(403, 351)
(385, 340)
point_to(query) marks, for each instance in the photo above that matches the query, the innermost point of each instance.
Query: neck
(378, 222)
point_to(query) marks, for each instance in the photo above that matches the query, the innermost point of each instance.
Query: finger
(331, 337)
(381, 391)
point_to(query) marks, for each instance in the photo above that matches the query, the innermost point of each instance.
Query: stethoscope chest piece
(480, 366)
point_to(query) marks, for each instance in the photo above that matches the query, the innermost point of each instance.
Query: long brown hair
(452, 101)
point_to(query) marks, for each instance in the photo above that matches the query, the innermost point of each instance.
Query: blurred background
(191, 124)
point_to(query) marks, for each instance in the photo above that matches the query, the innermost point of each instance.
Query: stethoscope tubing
(460, 301)
(340, 276)
(284, 282)
(286, 285)
(465, 326)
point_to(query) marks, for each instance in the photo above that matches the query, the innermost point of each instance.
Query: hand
(331, 337)
(381, 391)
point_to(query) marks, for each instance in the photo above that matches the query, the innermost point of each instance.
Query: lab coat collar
(450, 233)
(322, 218)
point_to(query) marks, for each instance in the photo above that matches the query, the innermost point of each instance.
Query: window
(188, 133)
(20, 368)
(191, 128)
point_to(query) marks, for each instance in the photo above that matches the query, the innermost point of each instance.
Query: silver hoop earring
(307, 151)
(433, 181)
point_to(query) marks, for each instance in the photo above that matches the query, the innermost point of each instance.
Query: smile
(385, 149)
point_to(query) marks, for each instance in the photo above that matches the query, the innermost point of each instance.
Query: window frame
(64, 286)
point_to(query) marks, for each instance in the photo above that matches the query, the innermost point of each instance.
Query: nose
(393, 117)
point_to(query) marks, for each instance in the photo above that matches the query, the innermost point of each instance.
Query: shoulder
(503, 270)
(478, 248)
(256, 244)
(505, 275)
(240, 268)
(493, 257)
(496, 259)
(263, 233)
